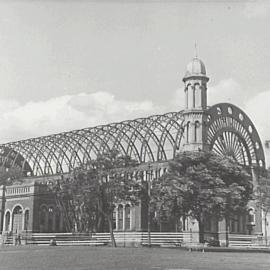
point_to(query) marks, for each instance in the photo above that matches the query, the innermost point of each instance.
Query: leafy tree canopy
(88, 196)
(201, 184)
(9, 176)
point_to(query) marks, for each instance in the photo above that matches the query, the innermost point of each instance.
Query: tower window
(196, 131)
(187, 132)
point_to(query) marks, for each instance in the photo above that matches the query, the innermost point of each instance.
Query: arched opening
(196, 131)
(120, 217)
(127, 217)
(187, 132)
(26, 220)
(17, 219)
(197, 95)
(50, 219)
(43, 219)
(7, 221)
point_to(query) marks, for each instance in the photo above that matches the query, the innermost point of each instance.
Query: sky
(72, 64)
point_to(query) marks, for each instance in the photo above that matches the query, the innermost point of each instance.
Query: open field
(97, 258)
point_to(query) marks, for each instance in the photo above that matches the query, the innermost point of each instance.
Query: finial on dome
(196, 49)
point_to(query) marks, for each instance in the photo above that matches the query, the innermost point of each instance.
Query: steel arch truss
(155, 138)
(229, 131)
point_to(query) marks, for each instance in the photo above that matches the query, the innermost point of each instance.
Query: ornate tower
(195, 81)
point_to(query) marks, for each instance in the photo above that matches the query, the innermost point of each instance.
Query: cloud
(177, 101)
(227, 90)
(258, 9)
(257, 108)
(19, 121)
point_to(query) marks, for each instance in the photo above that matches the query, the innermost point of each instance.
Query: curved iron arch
(229, 131)
(61, 152)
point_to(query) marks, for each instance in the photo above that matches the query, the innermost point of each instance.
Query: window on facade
(50, 219)
(114, 219)
(251, 216)
(197, 95)
(127, 217)
(17, 210)
(196, 131)
(26, 220)
(7, 221)
(187, 132)
(120, 217)
(17, 218)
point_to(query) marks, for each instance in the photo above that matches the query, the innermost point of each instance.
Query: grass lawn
(97, 258)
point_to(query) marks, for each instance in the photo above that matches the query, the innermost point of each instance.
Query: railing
(17, 190)
(141, 238)
(162, 239)
(97, 239)
(242, 240)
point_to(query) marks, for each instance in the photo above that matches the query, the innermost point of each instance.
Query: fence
(162, 239)
(242, 240)
(98, 239)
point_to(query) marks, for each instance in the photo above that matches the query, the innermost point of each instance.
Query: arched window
(120, 217)
(50, 219)
(251, 216)
(26, 220)
(186, 94)
(7, 221)
(196, 131)
(190, 96)
(127, 217)
(187, 131)
(197, 96)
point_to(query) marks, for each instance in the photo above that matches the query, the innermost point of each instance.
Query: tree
(202, 184)
(9, 176)
(89, 195)
(262, 197)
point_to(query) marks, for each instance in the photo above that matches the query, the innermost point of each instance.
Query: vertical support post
(148, 179)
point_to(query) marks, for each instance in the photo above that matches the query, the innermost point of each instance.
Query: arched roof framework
(154, 138)
(227, 131)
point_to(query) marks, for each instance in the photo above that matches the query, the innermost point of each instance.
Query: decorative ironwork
(231, 132)
(228, 131)
(155, 138)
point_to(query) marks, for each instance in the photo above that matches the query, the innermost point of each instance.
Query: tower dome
(195, 68)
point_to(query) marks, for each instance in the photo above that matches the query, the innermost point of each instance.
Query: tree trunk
(227, 229)
(111, 230)
(201, 231)
(265, 228)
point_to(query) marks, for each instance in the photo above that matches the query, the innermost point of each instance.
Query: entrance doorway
(17, 220)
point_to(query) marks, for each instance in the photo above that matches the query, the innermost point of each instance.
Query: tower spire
(196, 49)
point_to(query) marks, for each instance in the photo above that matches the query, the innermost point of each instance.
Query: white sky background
(72, 64)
